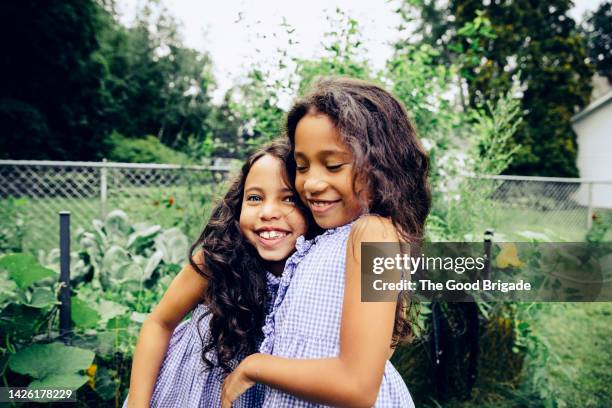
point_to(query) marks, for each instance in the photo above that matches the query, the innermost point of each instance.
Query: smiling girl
(229, 284)
(363, 173)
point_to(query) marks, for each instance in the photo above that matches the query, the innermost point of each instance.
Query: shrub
(146, 150)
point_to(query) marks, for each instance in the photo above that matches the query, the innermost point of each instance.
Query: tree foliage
(141, 150)
(257, 102)
(51, 105)
(155, 85)
(73, 75)
(343, 54)
(598, 29)
(534, 44)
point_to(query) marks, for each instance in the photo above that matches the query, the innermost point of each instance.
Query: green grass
(579, 337)
(561, 225)
(574, 369)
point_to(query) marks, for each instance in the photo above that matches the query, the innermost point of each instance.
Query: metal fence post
(103, 188)
(64, 296)
(590, 206)
(488, 243)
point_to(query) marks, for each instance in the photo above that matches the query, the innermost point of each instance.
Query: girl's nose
(314, 185)
(270, 211)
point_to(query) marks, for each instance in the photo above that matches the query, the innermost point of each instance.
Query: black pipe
(440, 351)
(488, 242)
(64, 295)
(472, 319)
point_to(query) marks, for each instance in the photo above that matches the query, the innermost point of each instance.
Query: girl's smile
(321, 206)
(271, 236)
(324, 172)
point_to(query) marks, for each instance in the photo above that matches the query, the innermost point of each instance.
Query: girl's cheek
(304, 228)
(298, 223)
(245, 222)
(299, 184)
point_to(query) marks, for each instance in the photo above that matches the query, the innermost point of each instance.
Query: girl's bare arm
(183, 294)
(353, 378)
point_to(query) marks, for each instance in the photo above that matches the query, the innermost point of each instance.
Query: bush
(146, 150)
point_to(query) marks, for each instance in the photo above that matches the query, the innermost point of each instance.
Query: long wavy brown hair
(236, 294)
(388, 158)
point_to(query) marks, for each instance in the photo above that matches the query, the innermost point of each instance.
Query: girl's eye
(253, 197)
(290, 199)
(301, 169)
(334, 167)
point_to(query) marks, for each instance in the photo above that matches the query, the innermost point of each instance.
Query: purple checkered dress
(182, 383)
(305, 318)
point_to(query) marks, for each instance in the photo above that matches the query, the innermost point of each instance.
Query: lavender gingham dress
(182, 383)
(305, 319)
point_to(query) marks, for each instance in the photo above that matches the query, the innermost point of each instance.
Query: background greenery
(83, 86)
(497, 83)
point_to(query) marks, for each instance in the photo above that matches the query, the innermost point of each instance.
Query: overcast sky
(238, 33)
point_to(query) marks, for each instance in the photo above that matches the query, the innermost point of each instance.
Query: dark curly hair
(388, 157)
(236, 292)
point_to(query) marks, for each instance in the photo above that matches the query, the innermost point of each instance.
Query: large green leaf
(8, 289)
(138, 317)
(24, 270)
(105, 344)
(66, 381)
(114, 258)
(131, 272)
(108, 310)
(152, 263)
(82, 314)
(90, 242)
(99, 228)
(142, 236)
(117, 225)
(118, 323)
(173, 244)
(20, 321)
(51, 260)
(114, 261)
(47, 360)
(42, 297)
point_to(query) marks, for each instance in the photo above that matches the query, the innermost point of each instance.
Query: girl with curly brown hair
(362, 172)
(229, 283)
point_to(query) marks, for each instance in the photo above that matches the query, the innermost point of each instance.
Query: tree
(51, 103)
(598, 30)
(344, 54)
(155, 85)
(257, 102)
(536, 45)
(73, 75)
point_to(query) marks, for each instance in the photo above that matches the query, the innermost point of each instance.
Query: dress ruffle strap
(302, 246)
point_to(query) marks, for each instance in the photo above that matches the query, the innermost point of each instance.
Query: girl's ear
(363, 190)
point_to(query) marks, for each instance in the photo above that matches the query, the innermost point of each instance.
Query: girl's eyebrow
(259, 189)
(325, 153)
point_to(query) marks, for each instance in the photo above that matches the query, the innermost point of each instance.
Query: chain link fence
(544, 208)
(32, 193)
